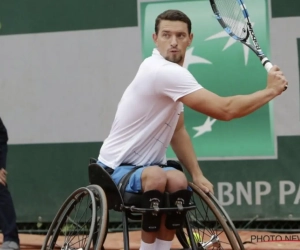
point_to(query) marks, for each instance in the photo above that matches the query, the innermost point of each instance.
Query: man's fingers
(3, 171)
(275, 68)
(3, 176)
(211, 190)
(3, 182)
(205, 189)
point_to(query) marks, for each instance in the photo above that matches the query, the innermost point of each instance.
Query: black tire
(101, 227)
(210, 222)
(229, 222)
(74, 223)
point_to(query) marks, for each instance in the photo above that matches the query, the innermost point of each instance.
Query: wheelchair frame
(103, 195)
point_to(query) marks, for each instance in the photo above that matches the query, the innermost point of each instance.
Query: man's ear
(191, 38)
(154, 37)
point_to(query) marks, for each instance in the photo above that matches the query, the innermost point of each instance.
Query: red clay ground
(114, 241)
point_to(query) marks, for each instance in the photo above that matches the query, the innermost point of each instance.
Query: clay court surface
(114, 241)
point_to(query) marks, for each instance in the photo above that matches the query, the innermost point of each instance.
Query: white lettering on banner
(225, 189)
(288, 188)
(285, 188)
(256, 193)
(259, 192)
(297, 199)
(241, 190)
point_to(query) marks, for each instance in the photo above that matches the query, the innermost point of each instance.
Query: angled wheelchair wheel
(210, 225)
(74, 223)
(101, 227)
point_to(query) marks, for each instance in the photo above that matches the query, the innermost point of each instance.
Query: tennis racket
(234, 18)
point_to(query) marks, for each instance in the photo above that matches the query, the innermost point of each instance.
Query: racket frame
(250, 33)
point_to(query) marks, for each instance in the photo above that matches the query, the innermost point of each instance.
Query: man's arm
(227, 108)
(183, 148)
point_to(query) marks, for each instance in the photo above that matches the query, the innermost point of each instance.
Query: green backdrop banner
(34, 16)
(226, 67)
(41, 176)
(282, 9)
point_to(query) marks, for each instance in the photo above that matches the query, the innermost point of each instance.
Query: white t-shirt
(148, 113)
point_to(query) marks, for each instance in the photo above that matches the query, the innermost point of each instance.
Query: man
(150, 117)
(7, 211)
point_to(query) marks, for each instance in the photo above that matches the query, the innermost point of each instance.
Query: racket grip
(266, 63)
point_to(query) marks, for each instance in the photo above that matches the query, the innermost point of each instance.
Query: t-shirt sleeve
(175, 81)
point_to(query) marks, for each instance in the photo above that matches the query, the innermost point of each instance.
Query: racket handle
(266, 63)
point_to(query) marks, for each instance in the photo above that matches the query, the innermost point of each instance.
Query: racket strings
(231, 13)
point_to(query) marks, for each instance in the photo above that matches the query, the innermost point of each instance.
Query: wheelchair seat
(98, 176)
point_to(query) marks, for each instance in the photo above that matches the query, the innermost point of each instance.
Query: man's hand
(277, 80)
(204, 184)
(3, 174)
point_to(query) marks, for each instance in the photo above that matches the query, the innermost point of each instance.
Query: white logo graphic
(191, 59)
(206, 127)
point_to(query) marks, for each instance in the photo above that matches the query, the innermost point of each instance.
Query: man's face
(172, 40)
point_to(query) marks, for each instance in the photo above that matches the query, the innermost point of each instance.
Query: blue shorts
(135, 184)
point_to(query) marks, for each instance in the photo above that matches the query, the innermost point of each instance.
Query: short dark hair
(173, 15)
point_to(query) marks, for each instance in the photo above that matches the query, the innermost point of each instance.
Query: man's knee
(154, 178)
(176, 180)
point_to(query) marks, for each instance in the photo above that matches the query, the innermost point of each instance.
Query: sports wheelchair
(82, 221)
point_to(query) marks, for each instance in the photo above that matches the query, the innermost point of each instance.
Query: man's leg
(176, 180)
(152, 178)
(7, 211)
(144, 179)
(7, 216)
